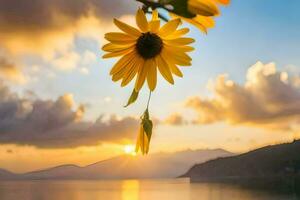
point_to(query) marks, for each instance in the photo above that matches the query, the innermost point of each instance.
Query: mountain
(264, 166)
(159, 165)
(4, 174)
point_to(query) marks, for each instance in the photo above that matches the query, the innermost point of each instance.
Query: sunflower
(146, 49)
(204, 11)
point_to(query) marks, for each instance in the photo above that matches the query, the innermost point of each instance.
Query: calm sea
(173, 189)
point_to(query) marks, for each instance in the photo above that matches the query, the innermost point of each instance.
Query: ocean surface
(171, 189)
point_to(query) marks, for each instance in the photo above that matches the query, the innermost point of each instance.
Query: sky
(58, 104)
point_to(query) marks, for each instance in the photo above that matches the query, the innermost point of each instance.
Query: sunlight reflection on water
(171, 189)
(130, 190)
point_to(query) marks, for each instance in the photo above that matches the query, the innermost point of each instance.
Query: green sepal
(180, 7)
(147, 124)
(133, 97)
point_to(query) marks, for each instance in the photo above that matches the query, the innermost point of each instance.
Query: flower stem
(154, 5)
(149, 98)
(151, 4)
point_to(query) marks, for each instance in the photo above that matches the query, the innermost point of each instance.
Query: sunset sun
(129, 150)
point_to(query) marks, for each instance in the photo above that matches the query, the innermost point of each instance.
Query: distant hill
(159, 165)
(271, 164)
(4, 174)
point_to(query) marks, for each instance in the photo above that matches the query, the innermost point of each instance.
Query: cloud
(9, 151)
(175, 119)
(10, 71)
(71, 59)
(269, 98)
(49, 29)
(55, 23)
(88, 57)
(67, 62)
(84, 70)
(38, 14)
(56, 124)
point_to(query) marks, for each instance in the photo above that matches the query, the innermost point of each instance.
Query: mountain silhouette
(270, 166)
(159, 165)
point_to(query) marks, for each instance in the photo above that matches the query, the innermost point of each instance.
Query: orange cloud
(49, 28)
(53, 24)
(10, 71)
(269, 98)
(175, 119)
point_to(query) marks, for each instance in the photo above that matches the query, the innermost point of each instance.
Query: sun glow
(129, 149)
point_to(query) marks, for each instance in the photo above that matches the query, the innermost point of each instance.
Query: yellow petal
(118, 53)
(152, 76)
(193, 22)
(179, 41)
(122, 63)
(142, 73)
(119, 38)
(155, 15)
(154, 26)
(141, 20)
(178, 33)
(164, 69)
(203, 7)
(116, 36)
(175, 70)
(208, 22)
(169, 27)
(122, 73)
(174, 59)
(177, 52)
(127, 29)
(131, 71)
(180, 48)
(224, 2)
(143, 142)
(147, 143)
(110, 47)
(119, 75)
(139, 139)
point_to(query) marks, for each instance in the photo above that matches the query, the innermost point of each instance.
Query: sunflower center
(149, 45)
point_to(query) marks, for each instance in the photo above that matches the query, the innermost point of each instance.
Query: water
(173, 189)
